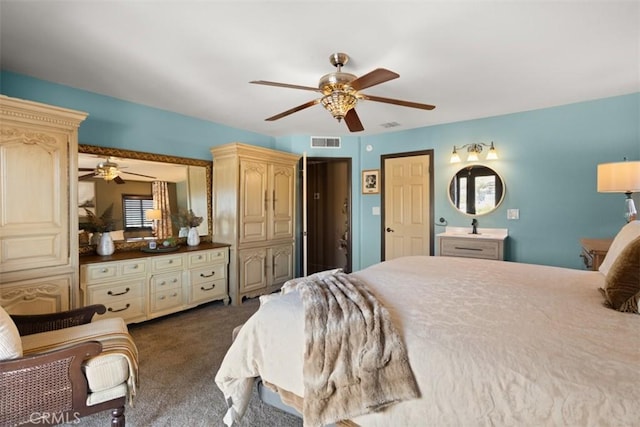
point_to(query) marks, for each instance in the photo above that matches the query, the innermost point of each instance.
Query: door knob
(389, 230)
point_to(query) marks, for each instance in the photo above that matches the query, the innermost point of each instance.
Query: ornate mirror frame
(162, 158)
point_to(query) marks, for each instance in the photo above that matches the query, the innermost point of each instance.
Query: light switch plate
(513, 213)
(375, 210)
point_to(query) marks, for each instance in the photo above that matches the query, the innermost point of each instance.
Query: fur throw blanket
(355, 360)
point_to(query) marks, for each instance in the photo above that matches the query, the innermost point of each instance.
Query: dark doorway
(328, 214)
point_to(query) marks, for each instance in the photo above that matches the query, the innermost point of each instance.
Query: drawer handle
(135, 267)
(163, 297)
(469, 249)
(202, 288)
(170, 261)
(104, 270)
(121, 309)
(175, 280)
(199, 256)
(208, 275)
(121, 293)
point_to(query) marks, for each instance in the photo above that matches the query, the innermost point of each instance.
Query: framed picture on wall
(371, 181)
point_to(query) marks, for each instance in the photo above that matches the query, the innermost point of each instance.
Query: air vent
(325, 142)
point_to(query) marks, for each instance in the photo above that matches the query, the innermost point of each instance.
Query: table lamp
(621, 177)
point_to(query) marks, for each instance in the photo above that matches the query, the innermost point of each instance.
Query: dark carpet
(179, 357)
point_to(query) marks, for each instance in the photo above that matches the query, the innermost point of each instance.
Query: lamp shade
(153, 214)
(619, 177)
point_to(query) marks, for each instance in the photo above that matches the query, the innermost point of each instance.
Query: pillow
(629, 232)
(10, 342)
(622, 284)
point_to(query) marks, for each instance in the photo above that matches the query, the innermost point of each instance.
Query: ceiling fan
(109, 171)
(341, 92)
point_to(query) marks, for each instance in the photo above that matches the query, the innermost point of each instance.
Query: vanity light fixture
(621, 177)
(474, 150)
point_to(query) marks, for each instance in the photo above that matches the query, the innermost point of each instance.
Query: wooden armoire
(38, 206)
(254, 209)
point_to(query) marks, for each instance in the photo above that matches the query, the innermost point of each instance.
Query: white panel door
(407, 214)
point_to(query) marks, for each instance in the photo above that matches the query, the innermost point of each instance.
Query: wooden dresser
(139, 286)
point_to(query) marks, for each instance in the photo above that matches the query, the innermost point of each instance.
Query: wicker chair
(55, 387)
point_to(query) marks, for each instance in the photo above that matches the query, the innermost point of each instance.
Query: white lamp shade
(153, 214)
(619, 177)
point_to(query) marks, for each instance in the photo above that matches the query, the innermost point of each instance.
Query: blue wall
(121, 124)
(548, 161)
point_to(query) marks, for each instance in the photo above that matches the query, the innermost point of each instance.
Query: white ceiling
(470, 59)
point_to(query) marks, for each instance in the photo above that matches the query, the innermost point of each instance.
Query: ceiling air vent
(325, 142)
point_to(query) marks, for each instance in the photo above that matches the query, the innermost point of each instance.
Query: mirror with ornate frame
(188, 180)
(476, 190)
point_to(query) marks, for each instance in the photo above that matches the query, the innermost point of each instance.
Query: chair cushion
(10, 342)
(104, 371)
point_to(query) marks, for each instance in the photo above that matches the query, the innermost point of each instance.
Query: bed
(489, 342)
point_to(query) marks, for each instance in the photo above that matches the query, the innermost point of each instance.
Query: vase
(184, 232)
(193, 238)
(105, 246)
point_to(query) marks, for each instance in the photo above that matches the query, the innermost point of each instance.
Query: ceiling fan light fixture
(107, 171)
(338, 103)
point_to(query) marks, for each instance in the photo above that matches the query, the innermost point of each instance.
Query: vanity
(139, 286)
(460, 242)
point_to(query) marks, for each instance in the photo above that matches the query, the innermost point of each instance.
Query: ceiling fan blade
(375, 77)
(138, 174)
(118, 180)
(293, 110)
(89, 175)
(398, 102)
(353, 121)
(267, 83)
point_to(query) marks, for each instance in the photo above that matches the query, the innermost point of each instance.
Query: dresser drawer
(167, 299)
(164, 263)
(207, 274)
(208, 291)
(471, 248)
(107, 293)
(207, 257)
(129, 309)
(131, 268)
(165, 281)
(101, 272)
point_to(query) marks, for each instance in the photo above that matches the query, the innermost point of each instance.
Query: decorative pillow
(622, 283)
(10, 342)
(629, 232)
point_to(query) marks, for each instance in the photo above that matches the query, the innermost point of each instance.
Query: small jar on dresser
(488, 243)
(139, 286)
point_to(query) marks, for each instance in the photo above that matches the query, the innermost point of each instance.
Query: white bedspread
(491, 344)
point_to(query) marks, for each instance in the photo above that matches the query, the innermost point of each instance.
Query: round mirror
(476, 190)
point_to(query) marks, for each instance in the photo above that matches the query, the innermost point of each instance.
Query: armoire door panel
(282, 209)
(253, 201)
(252, 269)
(281, 264)
(34, 229)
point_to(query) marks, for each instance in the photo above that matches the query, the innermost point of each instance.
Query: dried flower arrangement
(187, 219)
(102, 223)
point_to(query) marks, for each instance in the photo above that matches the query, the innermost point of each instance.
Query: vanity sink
(461, 242)
(483, 233)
